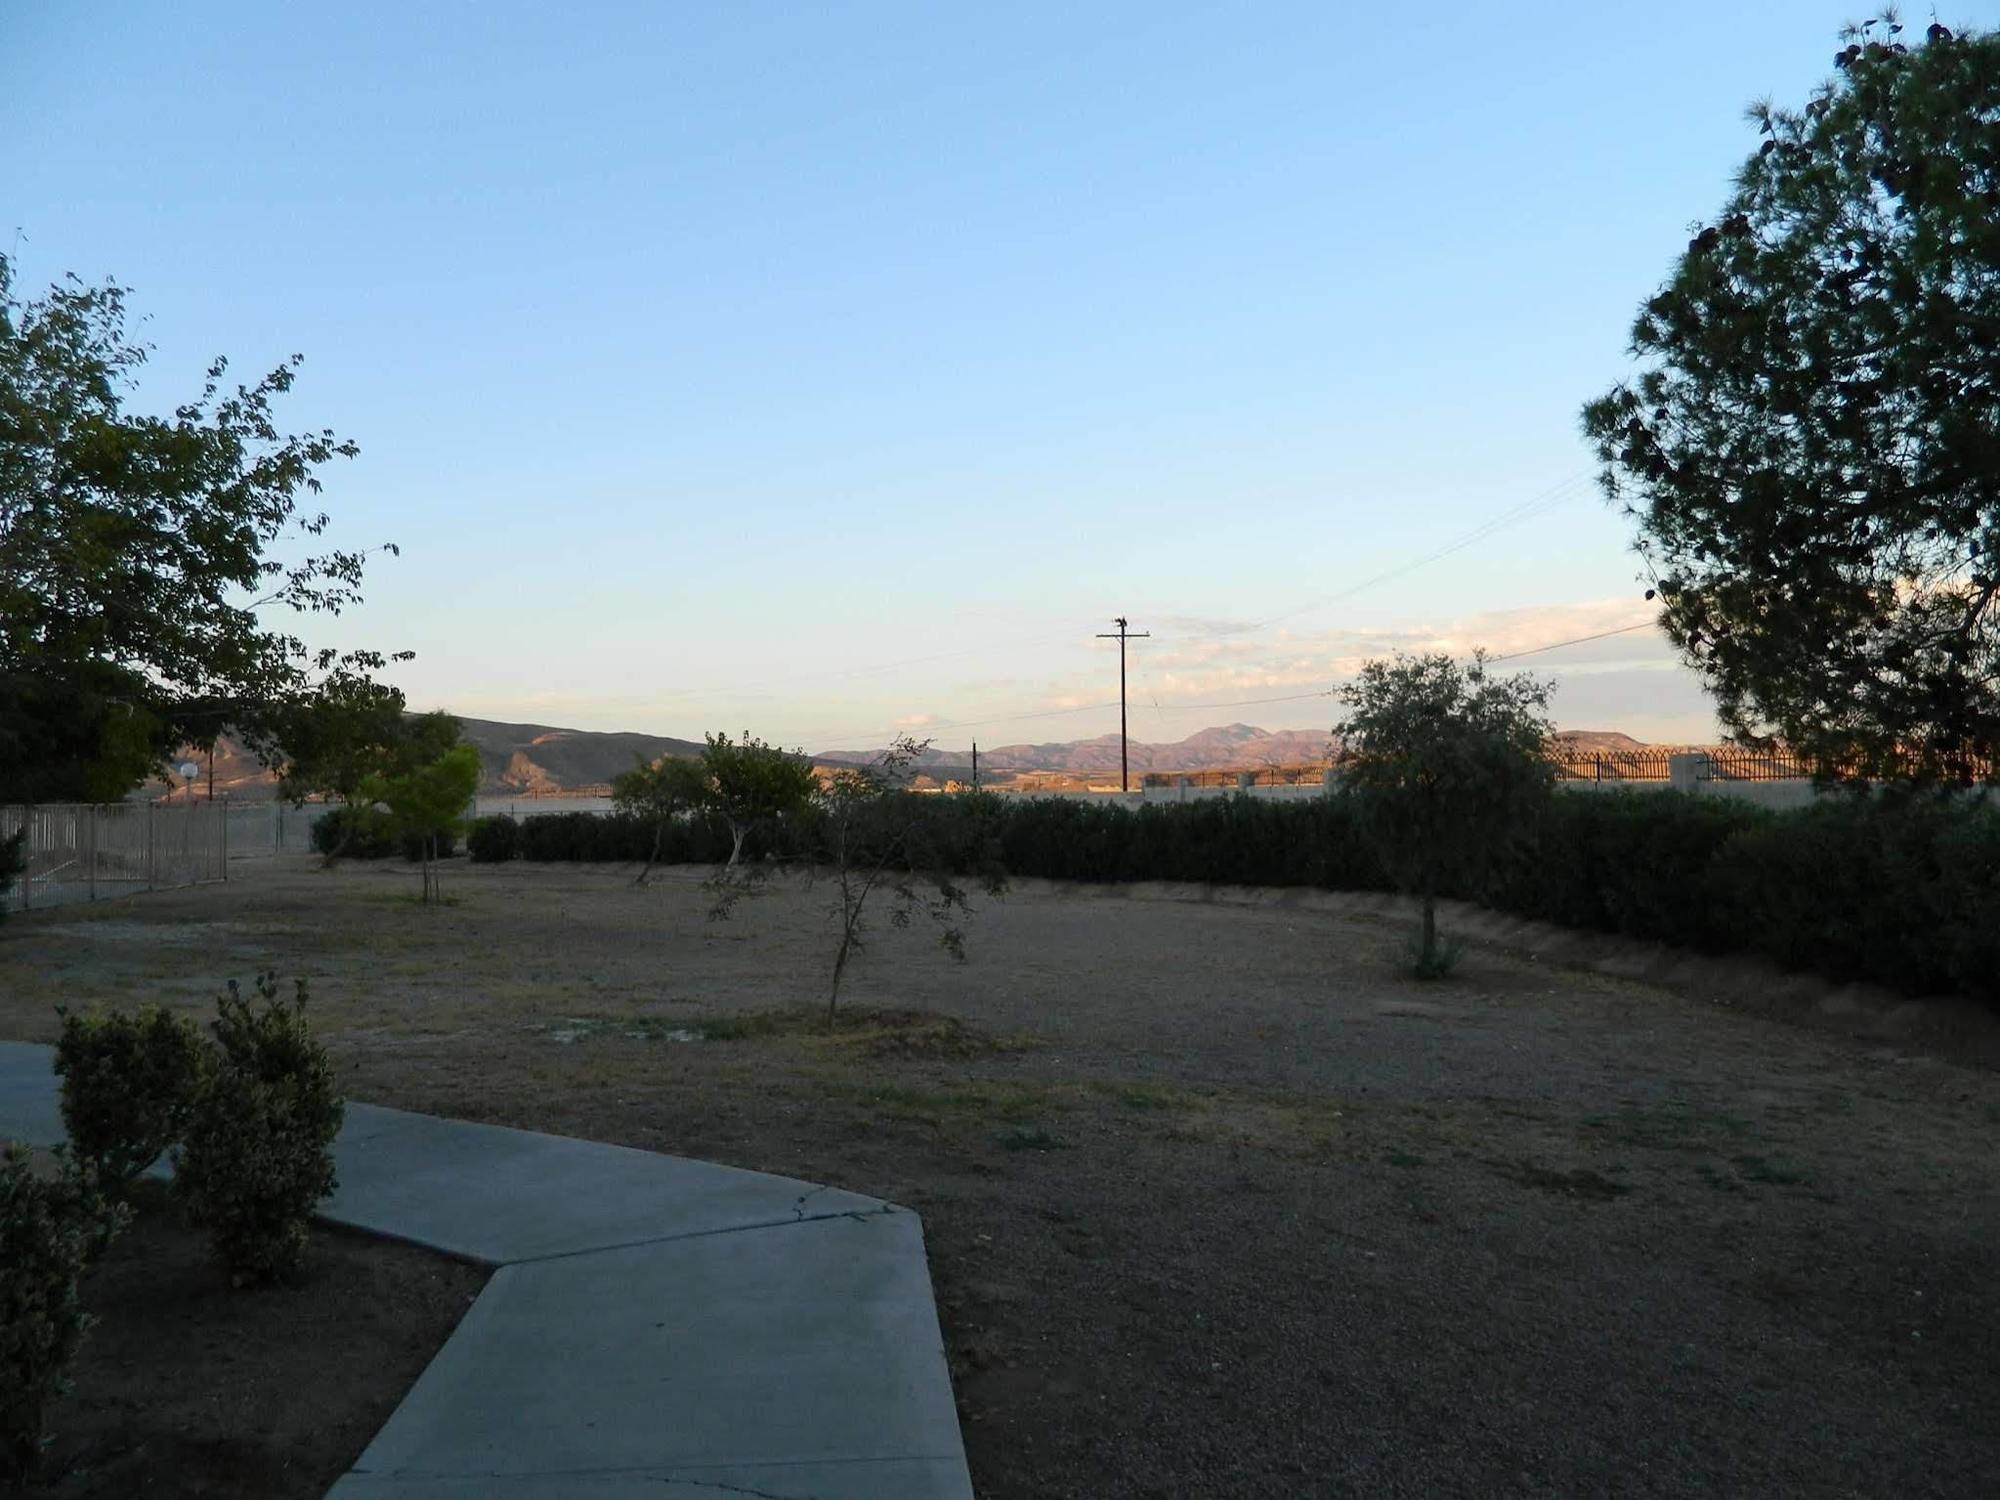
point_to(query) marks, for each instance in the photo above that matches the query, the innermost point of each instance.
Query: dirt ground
(1218, 1202)
(188, 1388)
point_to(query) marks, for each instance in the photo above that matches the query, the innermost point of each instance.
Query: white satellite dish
(188, 769)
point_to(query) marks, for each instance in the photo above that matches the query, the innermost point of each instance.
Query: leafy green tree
(428, 800)
(877, 842)
(670, 788)
(1812, 448)
(752, 785)
(329, 742)
(1447, 770)
(136, 550)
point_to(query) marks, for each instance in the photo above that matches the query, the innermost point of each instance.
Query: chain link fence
(80, 851)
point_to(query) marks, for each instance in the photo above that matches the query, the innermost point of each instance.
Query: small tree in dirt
(876, 840)
(668, 789)
(1446, 768)
(351, 729)
(258, 1156)
(331, 741)
(429, 801)
(752, 785)
(51, 1228)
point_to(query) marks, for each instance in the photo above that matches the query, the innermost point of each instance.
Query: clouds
(1630, 680)
(1194, 672)
(1194, 663)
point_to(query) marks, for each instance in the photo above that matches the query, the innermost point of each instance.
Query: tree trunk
(659, 837)
(346, 836)
(839, 963)
(1430, 930)
(737, 832)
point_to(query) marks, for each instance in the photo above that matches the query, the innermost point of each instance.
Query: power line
(1082, 708)
(1167, 708)
(1251, 702)
(1546, 500)
(1556, 496)
(1576, 641)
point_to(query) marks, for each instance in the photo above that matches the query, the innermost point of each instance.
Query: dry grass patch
(865, 1031)
(1216, 1201)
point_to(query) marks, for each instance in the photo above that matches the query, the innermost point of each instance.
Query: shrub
(1968, 908)
(129, 1086)
(443, 845)
(1900, 890)
(1631, 862)
(13, 864)
(493, 840)
(354, 833)
(51, 1228)
(258, 1154)
(620, 838)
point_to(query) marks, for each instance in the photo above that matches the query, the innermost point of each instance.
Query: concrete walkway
(656, 1327)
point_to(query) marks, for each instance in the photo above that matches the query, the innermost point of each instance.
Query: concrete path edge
(655, 1326)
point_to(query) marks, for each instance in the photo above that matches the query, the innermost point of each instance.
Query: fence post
(149, 843)
(28, 850)
(1684, 772)
(225, 839)
(90, 855)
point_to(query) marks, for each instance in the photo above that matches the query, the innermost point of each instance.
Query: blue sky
(825, 369)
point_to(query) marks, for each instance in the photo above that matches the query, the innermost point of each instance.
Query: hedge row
(368, 833)
(1903, 892)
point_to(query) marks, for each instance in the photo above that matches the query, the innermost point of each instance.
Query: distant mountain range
(542, 759)
(539, 758)
(1232, 747)
(535, 759)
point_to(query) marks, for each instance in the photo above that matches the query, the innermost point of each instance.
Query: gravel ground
(1218, 1202)
(187, 1387)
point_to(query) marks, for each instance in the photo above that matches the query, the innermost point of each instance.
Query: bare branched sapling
(877, 840)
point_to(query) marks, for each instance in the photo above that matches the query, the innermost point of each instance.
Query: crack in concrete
(799, 1208)
(856, 1214)
(732, 1489)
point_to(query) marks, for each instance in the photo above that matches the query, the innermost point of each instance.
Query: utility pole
(975, 765)
(1121, 635)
